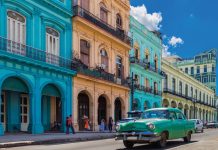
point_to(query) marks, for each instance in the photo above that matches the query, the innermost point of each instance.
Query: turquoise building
(145, 67)
(35, 65)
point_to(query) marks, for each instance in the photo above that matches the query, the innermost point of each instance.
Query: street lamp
(132, 81)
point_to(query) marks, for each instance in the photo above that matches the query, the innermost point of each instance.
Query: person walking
(86, 123)
(102, 126)
(71, 124)
(110, 124)
(67, 125)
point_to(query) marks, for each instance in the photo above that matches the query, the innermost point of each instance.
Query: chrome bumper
(148, 137)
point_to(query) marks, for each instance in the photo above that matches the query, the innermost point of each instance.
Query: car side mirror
(171, 118)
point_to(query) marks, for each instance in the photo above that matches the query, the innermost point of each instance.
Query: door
(173, 125)
(24, 112)
(83, 108)
(102, 109)
(2, 113)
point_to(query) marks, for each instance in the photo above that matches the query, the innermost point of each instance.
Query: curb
(53, 141)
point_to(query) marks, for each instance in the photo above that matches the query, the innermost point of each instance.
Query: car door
(173, 125)
(181, 125)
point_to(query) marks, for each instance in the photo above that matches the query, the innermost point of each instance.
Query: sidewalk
(14, 140)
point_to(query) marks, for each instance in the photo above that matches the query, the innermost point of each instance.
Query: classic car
(156, 125)
(199, 126)
(212, 124)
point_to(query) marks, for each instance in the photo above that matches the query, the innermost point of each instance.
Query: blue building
(145, 67)
(35, 65)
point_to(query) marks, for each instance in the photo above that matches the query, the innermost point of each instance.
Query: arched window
(16, 27)
(147, 58)
(52, 41)
(137, 53)
(155, 88)
(103, 12)
(156, 63)
(84, 4)
(84, 52)
(104, 59)
(119, 21)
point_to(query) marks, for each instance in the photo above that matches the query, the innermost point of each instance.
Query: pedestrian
(71, 124)
(110, 124)
(67, 125)
(102, 126)
(86, 123)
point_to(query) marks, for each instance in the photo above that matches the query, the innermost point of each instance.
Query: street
(200, 141)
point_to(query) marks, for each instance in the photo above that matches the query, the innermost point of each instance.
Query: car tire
(128, 144)
(163, 141)
(202, 130)
(187, 139)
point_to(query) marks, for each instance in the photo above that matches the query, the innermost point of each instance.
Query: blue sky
(193, 23)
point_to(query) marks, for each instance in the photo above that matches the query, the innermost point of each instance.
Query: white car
(199, 126)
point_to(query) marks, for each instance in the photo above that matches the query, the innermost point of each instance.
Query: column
(35, 125)
(1, 126)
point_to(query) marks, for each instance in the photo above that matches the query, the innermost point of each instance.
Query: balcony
(146, 65)
(148, 90)
(8, 47)
(118, 33)
(97, 73)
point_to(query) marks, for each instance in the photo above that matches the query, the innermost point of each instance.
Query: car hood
(138, 125)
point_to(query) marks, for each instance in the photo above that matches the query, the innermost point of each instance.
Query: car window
(179, 115)
(172, 115)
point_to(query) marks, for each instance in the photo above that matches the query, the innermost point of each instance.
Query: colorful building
(145, 67)
(35, 65)
(182, 91)
(101, 48)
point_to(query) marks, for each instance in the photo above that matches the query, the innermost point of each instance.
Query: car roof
(164, 108)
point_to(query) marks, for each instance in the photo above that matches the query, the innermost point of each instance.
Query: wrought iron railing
(98, 73)
(120, 34)
(179, 94)
(15, 48)
(147, 65)
(148, 90)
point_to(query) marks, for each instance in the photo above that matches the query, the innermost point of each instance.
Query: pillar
(1, 126)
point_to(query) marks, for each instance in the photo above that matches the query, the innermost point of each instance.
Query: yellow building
(101, 49)
(180, 90)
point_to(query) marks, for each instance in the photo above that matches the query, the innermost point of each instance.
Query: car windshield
(162, 114)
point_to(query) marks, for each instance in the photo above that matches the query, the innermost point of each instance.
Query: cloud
(174, 41)
(151, 21)
(165, 50)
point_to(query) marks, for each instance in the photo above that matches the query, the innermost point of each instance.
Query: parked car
(156, 125)
(212, 124)
(199, 126)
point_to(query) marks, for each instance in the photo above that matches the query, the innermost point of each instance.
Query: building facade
(182, 91)
(202, 67)
(101, 48)
(145, 67)
(35, 65)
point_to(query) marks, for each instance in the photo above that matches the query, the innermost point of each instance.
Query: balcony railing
(18, 49)
(118, 33)
(173, 92)
(98, 73)
(147, 65)
(148, 90)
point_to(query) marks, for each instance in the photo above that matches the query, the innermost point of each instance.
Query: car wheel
(202, 130)
(187, 139)
(163, 141)
(128, 144)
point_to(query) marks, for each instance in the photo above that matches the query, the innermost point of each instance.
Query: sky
(188, 27)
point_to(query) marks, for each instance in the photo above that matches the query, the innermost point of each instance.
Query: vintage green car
(156, 126)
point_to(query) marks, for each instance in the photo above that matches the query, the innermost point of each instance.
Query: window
(192, 92)
(156, 63)
(213, 68)
(166, 82)
(119, 67)
(119, 21)
(204, 97)
(136, 53)
(84, 4)
(205, 68)
(205, 79)
(198, 69)
(52, 42)
(173, 84)
(186, 90)
(200, 95)
(16, 32)
(196, 93)
(137, 81)
(179, 115)
(84, 52)
(2, 113)
(147, 83)
(186, 70)
(192, 70)
(104, 60)
(103, 12)
(155, 88)
(147, 56)
(180, 87)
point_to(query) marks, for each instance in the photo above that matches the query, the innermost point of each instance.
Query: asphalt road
(200, 141)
